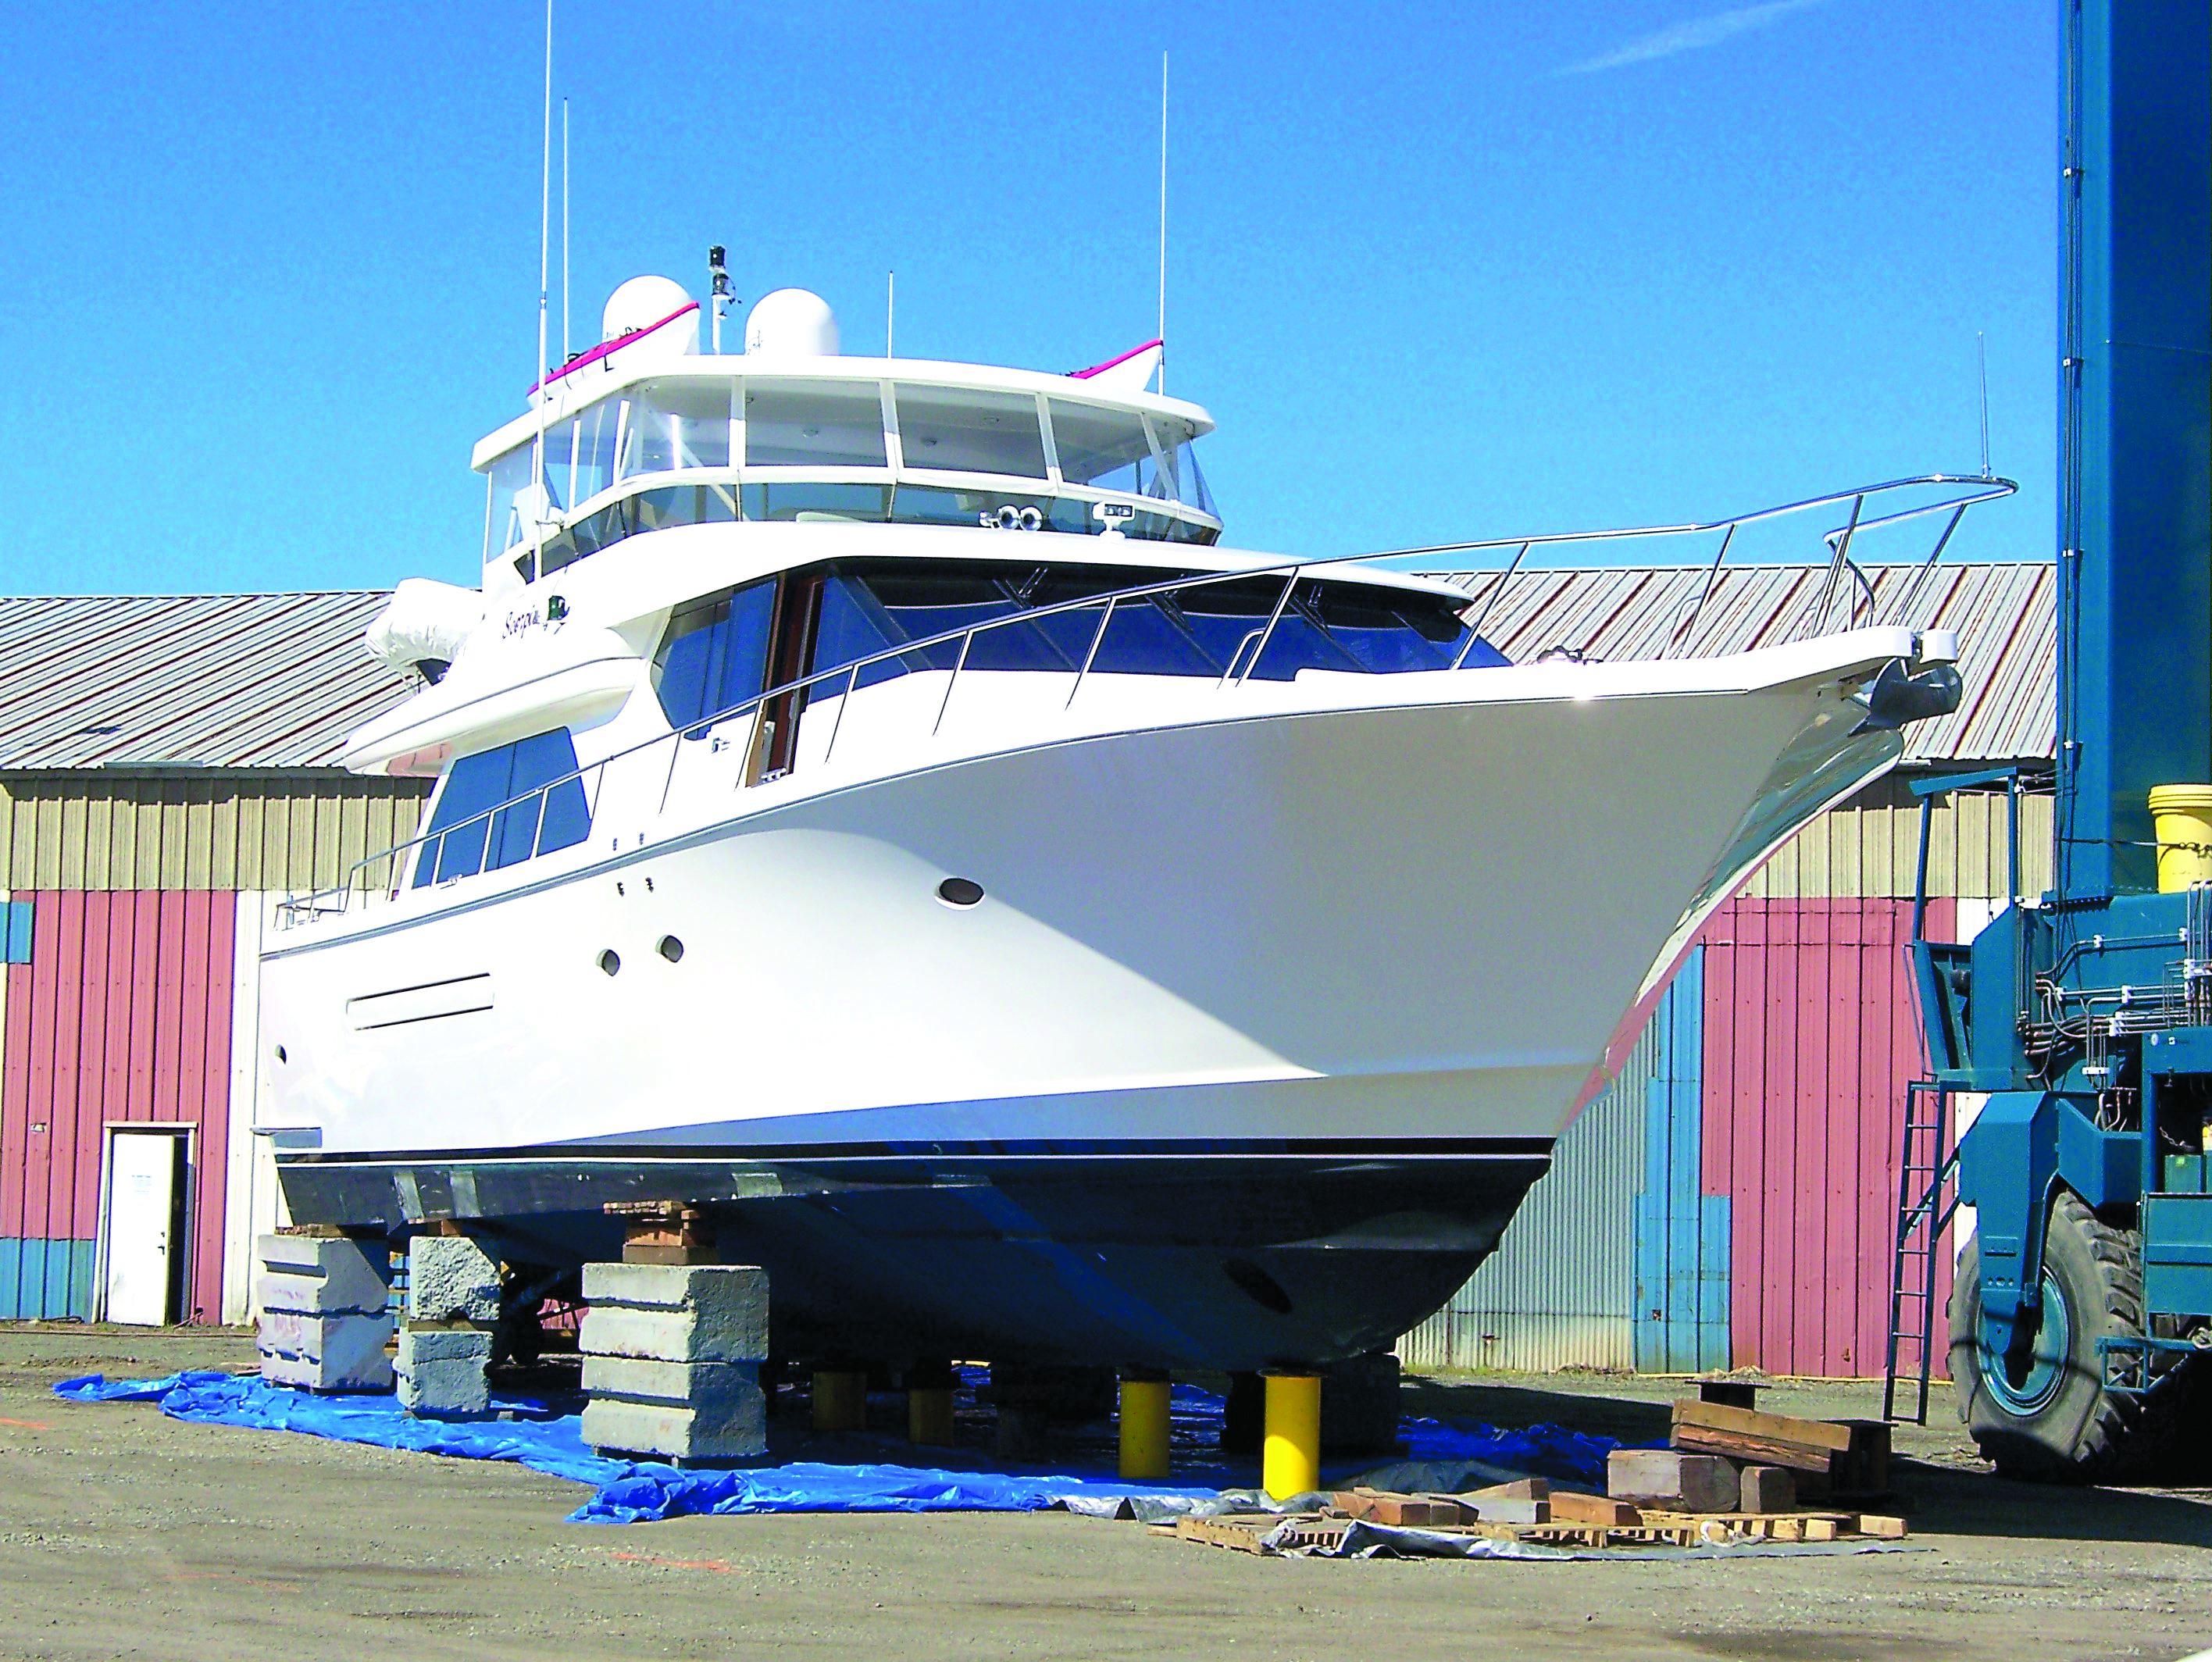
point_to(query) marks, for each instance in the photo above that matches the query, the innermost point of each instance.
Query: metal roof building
(168, 763)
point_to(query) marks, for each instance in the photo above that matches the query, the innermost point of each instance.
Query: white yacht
(874, 808)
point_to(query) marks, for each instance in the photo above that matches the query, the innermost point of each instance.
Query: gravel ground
(126, 1534)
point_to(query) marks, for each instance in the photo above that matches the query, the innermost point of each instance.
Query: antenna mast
(545, 258)
(1164, 222)
(1982, 352)
(567, 351)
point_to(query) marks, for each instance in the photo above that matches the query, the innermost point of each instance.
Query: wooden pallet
(1247, 1532)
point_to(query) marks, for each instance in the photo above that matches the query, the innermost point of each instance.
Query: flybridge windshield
(780, 447)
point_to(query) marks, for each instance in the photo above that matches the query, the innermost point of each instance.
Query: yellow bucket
(2182, 815)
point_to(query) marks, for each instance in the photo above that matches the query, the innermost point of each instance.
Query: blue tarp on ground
(546, 1439)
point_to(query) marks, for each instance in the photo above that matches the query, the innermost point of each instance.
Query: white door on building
(144, 1170)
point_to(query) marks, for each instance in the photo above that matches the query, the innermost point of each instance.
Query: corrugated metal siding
(1681, 1230)
(1810, 1035)
(2005, 613)
(105, 829)
(208, 680)
(123, 1014)
(1872, 850)
(1560, 1290)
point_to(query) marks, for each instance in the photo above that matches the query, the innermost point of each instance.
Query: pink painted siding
(122, 1014)
(1811, 1033)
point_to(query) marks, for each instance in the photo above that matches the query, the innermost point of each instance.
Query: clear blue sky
(1438, 270)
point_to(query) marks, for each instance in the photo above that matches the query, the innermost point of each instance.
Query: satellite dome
(641, 303)
(793, 323)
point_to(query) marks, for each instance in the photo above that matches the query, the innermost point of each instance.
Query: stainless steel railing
(399, 862)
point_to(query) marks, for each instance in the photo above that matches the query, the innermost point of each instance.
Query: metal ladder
(1927, 1165)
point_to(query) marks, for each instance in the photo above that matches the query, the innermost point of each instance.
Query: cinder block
(733, 1292)
(451, 1278)
(418, 1343)
(736, 1431)
(1671, 1480)
(1766, 1488)
(444, 1390)
(441, 1370)
(699, 1384)
(314, 1352)
(669, 1335)
(322, 1276)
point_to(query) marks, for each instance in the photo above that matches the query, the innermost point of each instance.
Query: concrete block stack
(671, 1361)
(445, 1348)
(325, 1312)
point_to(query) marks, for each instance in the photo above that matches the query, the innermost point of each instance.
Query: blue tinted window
(872, 607)
(715, 656)
(465, 838)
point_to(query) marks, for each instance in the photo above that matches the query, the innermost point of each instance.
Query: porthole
(960, 891)
(670, 949)
(280, 1054)
(610, 961)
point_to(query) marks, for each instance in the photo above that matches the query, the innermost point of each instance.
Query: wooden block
(1570, 1508)
(1821, 1529)
(1672, 1478)
(1863, 1467)
(1745, 1434)
(1521, 1489)
(1731, 1393)
(1886, 1529)
(1398, 1511)
(1766, 1488)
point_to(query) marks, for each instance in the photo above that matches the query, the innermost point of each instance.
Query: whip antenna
(566, 352)
(544, 260)
(1982, 352)
(1162, 383)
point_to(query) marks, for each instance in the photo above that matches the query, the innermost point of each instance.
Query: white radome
(793, 323)
(641, 303)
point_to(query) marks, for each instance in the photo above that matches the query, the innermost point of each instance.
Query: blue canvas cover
(531, 1433)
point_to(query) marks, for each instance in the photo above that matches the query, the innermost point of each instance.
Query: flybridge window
(813, 424)
(466, 835)
(1102, 447)
(714, 655)
(677, 425)
(958, 429)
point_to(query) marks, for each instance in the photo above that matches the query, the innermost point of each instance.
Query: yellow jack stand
(840, 1402)
(1291, 1457)
(929, 1416)
(1144, 1430)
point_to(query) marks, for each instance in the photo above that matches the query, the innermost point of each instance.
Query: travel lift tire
(2043, 1414)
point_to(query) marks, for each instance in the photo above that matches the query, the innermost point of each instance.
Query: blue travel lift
(2086, 1015)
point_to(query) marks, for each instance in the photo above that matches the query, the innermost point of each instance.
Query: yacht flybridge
(873, 809)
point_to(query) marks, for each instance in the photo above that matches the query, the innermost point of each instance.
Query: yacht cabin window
(958, 429)
(714, 655)
(716, 652)
(477, 823)
(814, 424)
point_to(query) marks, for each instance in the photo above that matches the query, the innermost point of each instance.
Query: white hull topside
(1346, 910)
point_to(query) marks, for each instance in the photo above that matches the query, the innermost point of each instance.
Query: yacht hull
(1260, 1031)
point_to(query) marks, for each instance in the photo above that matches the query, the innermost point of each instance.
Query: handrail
(1292, 572)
